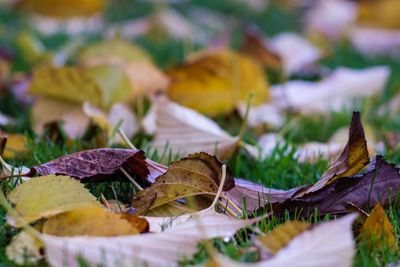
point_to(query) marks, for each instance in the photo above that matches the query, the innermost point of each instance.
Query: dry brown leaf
(196, 174)
(49, 195)
(215, 81)
(377, 222)
(325, 245)
(169, 246)
(353, 158)
(89, 221)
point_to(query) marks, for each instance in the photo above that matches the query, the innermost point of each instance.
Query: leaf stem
(236, 208)
(131, 179)
(126, 139)
(228, 209)
(221, 186)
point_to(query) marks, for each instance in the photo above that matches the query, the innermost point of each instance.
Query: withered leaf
(353, 158)
(377, 185)
(258, 195)
(195, 174)
(101, 164)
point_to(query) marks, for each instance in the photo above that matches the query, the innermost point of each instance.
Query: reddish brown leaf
(379, 184)
(101, 164)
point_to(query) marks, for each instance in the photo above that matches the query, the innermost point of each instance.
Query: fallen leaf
(254, 46)
(196, 174)
(66, 84)
(213, 82)
(295, 51)
(380, 14)
(257, 195)
(24, 249)
(169, 246)
(100, 164)
(376, 185)
(63, 9)
(327, 244)
(281, 235)
(73, 119)
(333, 92)
(15, 144)
(49, 195)
(183, 131)
(113, 82)
(140, 223)
(8, 170)
(353, 158)
(114, 48)
(88, 221)
(377, 228)
(376, 42)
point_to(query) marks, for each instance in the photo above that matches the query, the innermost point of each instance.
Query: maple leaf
(218, 80)
(49, 195)
(195, 174)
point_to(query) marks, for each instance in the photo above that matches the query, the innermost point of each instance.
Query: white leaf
(154, 249)
(333, 92)
(295, 51)
(325, 245)
(184, 131)
(376, 42)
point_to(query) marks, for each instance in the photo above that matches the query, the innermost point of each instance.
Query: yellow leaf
(214, 82)
(114, 48)
(113, 82)
(88, 221)
(16, 143)
(63, 8)
(383, 13)
(280, 236)
(66, 84)
(49, 195)
(378, 227)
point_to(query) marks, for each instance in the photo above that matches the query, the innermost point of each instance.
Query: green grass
(280, 170)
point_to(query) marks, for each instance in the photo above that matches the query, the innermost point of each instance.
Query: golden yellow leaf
(214, 82)
(280, 236)
(63, 8)
(49, 195)
(373, 226)
(66, 84)
(16, 143)
(383, 13)
(88, 221)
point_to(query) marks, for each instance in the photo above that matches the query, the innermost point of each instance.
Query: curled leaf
(196, 174)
